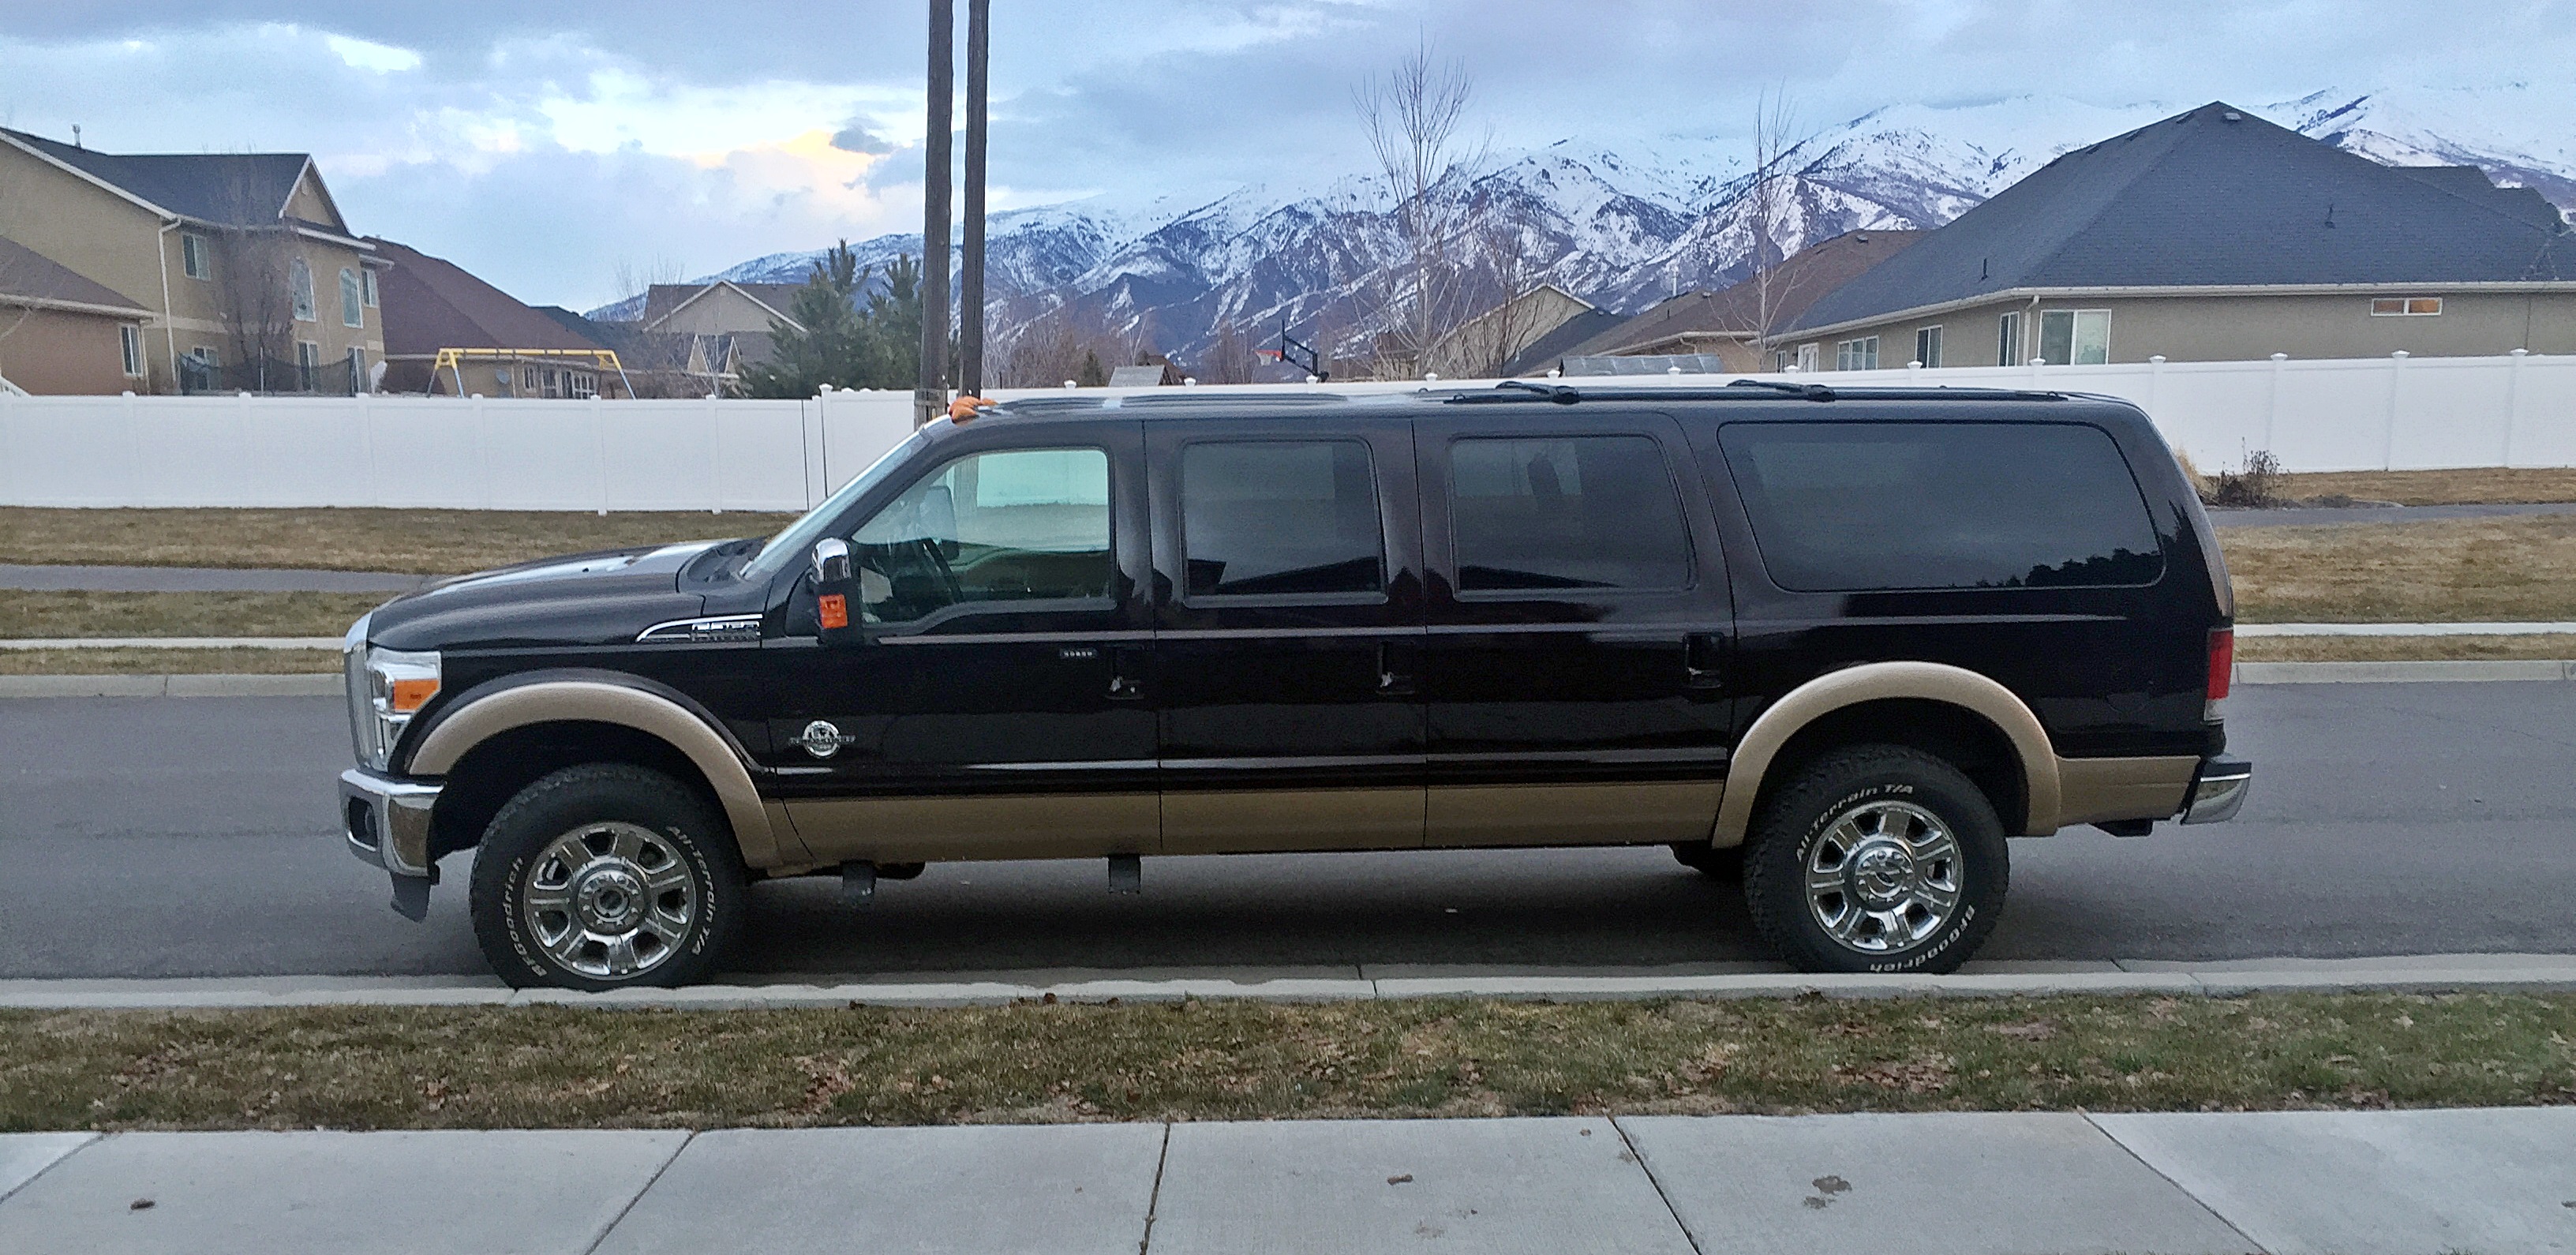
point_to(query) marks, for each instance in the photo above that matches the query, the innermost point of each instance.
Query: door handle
(1704, 660)
(1125, 683)
(1391, 682)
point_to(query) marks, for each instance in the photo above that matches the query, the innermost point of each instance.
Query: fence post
(2513, 402)
(2388, 443)
(2272, 406)
(599, 452)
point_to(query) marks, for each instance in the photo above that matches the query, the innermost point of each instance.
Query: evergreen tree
(1091, 375)
(892, 354)
(831, 346)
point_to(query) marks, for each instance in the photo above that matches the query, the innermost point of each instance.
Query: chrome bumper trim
(387, 821)
(2218, 792)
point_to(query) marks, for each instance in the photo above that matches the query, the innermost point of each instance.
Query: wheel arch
(615, 713)
(1788, 729)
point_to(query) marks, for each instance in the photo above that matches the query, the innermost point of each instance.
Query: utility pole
(930, 390)
(970, 295)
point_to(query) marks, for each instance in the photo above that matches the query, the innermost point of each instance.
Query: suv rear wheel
(1876, 858)
(606, 876)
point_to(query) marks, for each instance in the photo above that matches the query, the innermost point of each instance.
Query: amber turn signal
(411, 695)
(835, 609)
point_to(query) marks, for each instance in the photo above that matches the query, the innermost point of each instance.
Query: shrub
(2256, 487)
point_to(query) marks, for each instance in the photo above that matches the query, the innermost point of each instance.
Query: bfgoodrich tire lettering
(606, 876)
(1876, 859)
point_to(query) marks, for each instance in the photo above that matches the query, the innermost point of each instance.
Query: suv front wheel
(606, 876)
(1876, 858)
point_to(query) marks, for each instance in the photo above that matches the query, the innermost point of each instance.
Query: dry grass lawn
(45, 613)
(556, 1067)
(2482, 486)
(168, 662)
(2400, 648)
(2443, 571)
(418, 542)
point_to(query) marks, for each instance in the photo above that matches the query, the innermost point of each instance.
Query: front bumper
(2218, 791)
(387, 823)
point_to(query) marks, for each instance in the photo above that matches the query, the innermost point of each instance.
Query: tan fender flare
(599, 701)
(1880, 681)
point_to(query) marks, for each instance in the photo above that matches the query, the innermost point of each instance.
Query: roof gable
(663, 300)
(431, 304)
(2212, 197)
(228, 189)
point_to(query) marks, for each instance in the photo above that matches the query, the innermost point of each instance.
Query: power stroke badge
(822, 740)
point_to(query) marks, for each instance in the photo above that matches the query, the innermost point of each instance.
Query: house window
(528, 382)
(357, 369)
(2078, 337)
(1860, 354)
(1808, 355)
(206, 355)
(299, 281)
(194, 258)
(353, 309)
(2405, 306)
(583, 387)
(308, 364)
(129, 338)
(2008, 339)
(1927, 346)
(367, 286)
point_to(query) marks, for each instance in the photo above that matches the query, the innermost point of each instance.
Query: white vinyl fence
(424, 452)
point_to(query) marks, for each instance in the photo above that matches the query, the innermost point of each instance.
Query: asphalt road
(194, 837)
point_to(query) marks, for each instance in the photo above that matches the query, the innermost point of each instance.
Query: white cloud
(368, 55)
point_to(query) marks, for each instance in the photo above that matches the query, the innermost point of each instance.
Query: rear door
(1288, 633)
(1578, 625)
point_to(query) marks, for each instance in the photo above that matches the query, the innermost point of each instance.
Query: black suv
(1841, 644)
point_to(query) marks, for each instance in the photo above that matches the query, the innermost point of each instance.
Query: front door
(996, 707)
(1288, 634)
(1578, 625)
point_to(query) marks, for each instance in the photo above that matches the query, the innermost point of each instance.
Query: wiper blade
(1804, 391)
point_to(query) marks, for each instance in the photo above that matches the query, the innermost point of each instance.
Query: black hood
(603, 598)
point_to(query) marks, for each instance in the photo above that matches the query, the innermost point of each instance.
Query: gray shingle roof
(2215, 196)
(30, 275)
(234, 189)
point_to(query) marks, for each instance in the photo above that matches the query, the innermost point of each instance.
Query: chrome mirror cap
(831, 561)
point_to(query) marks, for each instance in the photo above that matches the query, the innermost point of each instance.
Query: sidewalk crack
(1651, 1179)
(58, 1161)
(1154, 1198)
(690, 1135)
(2203, 1204)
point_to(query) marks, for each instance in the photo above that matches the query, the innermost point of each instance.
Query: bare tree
(1413, 115)
(1047, 347)
(255, 288)
(1497, 270)
(635, 280)
(1768, 205)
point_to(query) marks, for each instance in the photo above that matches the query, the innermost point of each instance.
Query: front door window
(1008, 526)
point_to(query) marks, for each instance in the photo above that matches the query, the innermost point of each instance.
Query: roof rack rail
(1518, 390)
(1803, 391)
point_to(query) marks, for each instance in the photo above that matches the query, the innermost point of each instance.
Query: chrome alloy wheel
(1885, 876)
(610, 900)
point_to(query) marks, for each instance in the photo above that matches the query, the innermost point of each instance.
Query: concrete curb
(2493, 973)
(314, 685)
(331, 643)
(2248, 631)
(2443, 671)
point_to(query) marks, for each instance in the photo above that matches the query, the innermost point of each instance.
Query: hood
(603, 598)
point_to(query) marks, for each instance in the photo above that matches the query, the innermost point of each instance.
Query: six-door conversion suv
(1845, 644)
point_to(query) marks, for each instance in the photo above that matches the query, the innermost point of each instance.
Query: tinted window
(1577, 512)
(1840, 507)
(1280, 516)
(1021, 525)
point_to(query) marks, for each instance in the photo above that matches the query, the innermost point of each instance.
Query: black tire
(1714, 862)
(1801, 826)
(683, 857)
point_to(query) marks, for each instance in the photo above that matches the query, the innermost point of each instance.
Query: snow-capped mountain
(1623, 225)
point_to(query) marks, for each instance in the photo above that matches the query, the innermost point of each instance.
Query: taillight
(2222, 666)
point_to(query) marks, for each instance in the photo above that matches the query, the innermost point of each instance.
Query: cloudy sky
(548, 147)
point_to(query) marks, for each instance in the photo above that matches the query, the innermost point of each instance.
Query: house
(248, 276)
(2212, 236)
(740, 312)
(444, 326)
(1733, 325)
(61, 333)
(1487, 345)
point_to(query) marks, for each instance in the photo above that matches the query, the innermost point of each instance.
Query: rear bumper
(387, 823)
(2218, 790)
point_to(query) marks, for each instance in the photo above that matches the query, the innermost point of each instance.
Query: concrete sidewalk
(2407, 1183)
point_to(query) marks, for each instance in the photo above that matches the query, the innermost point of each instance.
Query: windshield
(792, 544)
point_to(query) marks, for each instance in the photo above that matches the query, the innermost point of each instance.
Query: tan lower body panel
(2090, 789)
(944, 829)
(1640, 813)
(1249, 821)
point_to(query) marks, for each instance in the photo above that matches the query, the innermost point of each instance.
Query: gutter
(2145, 291)
(130, 312)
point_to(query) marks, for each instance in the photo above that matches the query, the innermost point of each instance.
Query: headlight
(386, 688)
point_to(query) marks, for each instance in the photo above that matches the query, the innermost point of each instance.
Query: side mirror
(831, 573)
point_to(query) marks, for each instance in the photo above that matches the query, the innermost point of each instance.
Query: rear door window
(1280, 517)
(1852, 507)
(1565, 512)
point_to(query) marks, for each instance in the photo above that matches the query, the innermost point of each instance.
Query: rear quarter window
(1853, 507)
